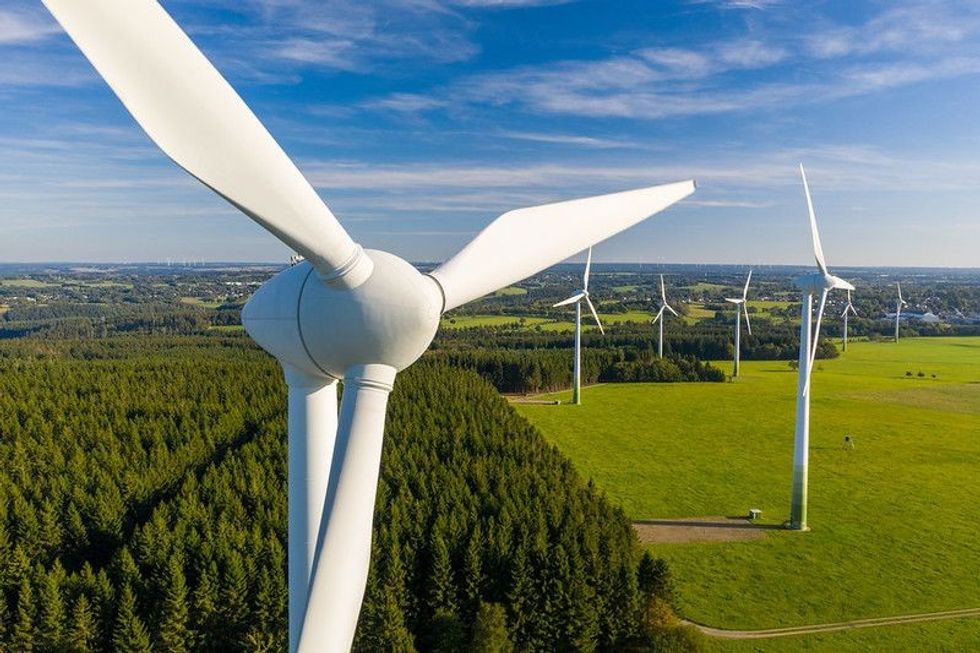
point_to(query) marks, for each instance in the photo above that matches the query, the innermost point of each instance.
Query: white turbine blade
(344, 546)
(663, 290)
(852, 309)
(570, 300)
(732, 300)
(817, 247)
(525, 241)
(900, 293)
(816, 338)
(595, 315)
(588, 267)
(745, 310)
(837, 282)
(846, 309)
(190, 111)
(745, 291)
(667, 306)
(658, 315)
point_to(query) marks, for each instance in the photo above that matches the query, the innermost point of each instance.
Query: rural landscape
(489, 326)
(156, 518)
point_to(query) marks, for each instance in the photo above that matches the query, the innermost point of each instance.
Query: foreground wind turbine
(847, 309)
(740, 307)
(898, 309)
(663, 306)
(577, 298)
(822, 282)
(344, 313)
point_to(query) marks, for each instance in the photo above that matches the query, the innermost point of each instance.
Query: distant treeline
(143, 508)
(78, 321)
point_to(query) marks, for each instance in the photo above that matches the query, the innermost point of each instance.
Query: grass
(510, 291)
(197, 301)
(893, 521)
(25, 283)
(466, 321)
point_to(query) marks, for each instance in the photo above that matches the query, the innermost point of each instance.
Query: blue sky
(419, 121)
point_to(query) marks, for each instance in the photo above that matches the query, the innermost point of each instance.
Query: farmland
(893, 520)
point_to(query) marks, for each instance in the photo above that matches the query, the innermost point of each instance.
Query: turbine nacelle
(323, 330)
(819, 282)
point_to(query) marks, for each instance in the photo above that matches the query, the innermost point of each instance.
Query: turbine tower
(577, 298)
(342, 314)
(822, 282)
(898, 309)
(740, 308)
(847, 309)
(659, 318)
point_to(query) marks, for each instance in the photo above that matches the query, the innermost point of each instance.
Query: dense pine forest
(143, 508)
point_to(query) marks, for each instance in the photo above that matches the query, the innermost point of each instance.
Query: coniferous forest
(143, 508)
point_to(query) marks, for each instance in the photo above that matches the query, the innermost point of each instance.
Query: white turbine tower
(822, 282)
(660, 314)
(898, 309)
(344, 313)
(849, 309)
(577, 298)
(740, 307)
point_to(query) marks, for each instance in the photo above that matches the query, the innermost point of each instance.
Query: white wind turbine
(822, 282)
(898, 309)
(741, 307)
(849, 309)
(344, 313)
(577, 298)
(660, 314)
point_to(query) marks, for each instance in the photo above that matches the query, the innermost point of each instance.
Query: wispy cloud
(22, 26)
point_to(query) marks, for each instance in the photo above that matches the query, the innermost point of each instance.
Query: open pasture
(894, 521)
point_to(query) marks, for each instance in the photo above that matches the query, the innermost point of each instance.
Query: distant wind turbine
(898, 309)
(740, 308)
(822, 282)
(847, 309)
(577, 298)
(663, 306)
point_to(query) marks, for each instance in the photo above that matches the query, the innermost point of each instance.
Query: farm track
(722, 633)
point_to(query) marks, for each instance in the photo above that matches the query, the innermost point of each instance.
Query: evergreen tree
(51, 628)
(82, 633)
(24, 633)
(174, 633)
(129, 634)
(442, 590)
(234, 601)
(490, 630)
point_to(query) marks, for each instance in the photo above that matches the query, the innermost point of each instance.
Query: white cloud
(20, 26)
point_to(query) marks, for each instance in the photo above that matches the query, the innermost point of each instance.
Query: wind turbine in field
(577, 298)
(822, 282)
(898, 309)
(344, 313)
(847, 309)
(660, 314)
(740, 307)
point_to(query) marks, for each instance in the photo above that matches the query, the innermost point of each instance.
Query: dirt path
(721, 633)
(700, 529)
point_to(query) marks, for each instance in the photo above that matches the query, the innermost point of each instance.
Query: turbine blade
(817, 247)
(658, 315)
(745, 291)
(525, 241)
(816, 338)
(900, 293)
(732, 300)
(667, 306)
(745, 310)
(344, 545)
(188, 109)
(595, 315)
(588, 267)
(663, 290)
(570, 300)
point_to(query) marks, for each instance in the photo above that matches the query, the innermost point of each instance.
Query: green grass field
(466, 321)
(25, 283)
(894, 522)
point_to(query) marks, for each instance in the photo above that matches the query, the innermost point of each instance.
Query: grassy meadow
(893, 521)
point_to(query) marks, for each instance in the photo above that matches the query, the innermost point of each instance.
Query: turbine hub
(324, 330)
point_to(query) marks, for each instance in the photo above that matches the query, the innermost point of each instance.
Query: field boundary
(722, 633)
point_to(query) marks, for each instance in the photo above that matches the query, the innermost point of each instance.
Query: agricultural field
(893, 521)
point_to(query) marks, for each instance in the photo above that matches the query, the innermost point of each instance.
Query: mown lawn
(894, 522)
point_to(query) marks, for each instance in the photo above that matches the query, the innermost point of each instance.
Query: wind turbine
(898, 309)
(577, 298)
(847, 309)
(663, 306)
(822, 282)
(344, 313)
(740, 308)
